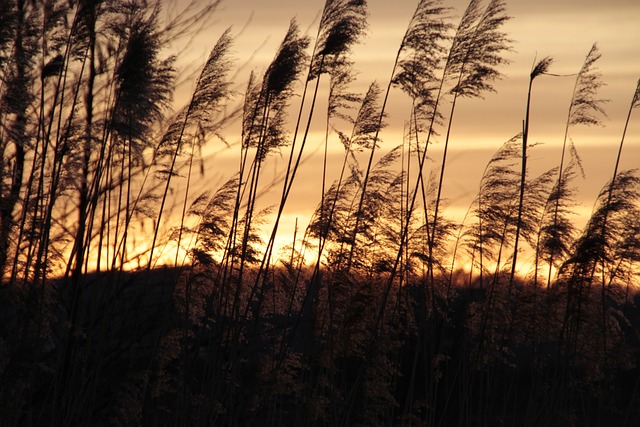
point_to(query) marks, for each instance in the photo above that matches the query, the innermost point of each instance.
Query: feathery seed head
(542, 67)
(636, 97)
(144, 81)
(477, 49)
(367, 122)
(342, 24)
(423, 50)
(287, 65)
(586, 107)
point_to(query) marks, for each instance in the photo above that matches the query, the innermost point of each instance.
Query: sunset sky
(563, 29)
(293, 212)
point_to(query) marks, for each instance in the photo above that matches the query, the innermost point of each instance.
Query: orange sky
(563, 29)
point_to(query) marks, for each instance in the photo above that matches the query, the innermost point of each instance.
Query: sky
(563, 29)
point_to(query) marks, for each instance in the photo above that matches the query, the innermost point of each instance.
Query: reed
(382, 311)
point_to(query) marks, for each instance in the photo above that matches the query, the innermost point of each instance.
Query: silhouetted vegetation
(384, 311)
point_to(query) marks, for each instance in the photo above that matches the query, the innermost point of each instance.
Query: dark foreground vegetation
(382, 312)
(317, 355)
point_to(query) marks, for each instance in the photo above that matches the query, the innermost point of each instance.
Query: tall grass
(383, 311)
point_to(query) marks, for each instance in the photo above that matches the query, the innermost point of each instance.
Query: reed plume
(212, 89)
(585, 108)
(472, 62)
(541, 67)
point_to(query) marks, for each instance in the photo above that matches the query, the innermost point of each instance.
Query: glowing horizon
(564, 31)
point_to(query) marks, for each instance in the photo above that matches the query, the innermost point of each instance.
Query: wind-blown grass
(383, 311)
